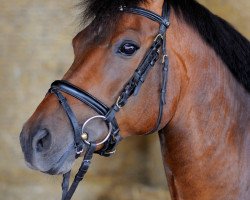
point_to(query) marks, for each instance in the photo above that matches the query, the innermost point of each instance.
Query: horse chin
(54, 163)
(63, 164)
(58, 170)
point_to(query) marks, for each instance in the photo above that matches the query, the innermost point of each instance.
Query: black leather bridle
(105, 113)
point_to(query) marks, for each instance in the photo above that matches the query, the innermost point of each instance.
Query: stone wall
(35, 38)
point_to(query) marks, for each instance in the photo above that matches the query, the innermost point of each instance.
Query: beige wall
(35, 38)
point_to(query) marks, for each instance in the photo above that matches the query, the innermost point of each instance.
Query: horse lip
(30, 165)
(55, 169)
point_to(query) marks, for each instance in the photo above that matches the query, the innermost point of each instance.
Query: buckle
(79, 150)
(164, 57)
(121, 8)
(117, 102)
(107, 153)
(159, 35)
(111, 152)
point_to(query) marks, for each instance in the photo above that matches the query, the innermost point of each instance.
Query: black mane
(229, 44)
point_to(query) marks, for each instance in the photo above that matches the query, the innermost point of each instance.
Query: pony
(204, 128)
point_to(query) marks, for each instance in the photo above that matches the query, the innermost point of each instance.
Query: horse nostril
(42, 140)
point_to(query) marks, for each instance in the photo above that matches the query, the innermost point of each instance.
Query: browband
(146, 13)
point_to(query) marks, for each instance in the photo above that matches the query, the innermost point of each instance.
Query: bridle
(105, 113)
(108, 114)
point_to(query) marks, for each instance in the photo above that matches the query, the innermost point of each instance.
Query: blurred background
(35, 39)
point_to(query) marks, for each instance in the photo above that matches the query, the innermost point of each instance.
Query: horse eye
(128, 49)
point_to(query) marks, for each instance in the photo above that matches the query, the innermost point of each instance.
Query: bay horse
(188, 80)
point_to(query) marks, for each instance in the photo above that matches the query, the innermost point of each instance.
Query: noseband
(105, 113)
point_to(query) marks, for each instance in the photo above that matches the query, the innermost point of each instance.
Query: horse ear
(154, 6)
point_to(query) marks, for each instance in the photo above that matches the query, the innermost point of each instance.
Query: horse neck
(204, 145)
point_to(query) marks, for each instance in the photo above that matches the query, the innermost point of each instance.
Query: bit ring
(93, 118)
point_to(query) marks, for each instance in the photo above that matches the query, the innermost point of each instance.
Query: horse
(143, 66)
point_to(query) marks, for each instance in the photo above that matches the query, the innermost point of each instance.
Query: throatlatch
(105, 113)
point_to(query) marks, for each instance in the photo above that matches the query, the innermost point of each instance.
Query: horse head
(106, 56)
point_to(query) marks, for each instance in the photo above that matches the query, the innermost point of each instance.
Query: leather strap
(134, 84)
(146, 13)
(81, 95)
(65, 184)
(72, 118)
(165, 61)
(67, 194)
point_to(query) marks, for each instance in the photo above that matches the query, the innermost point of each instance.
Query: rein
(132, 87)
